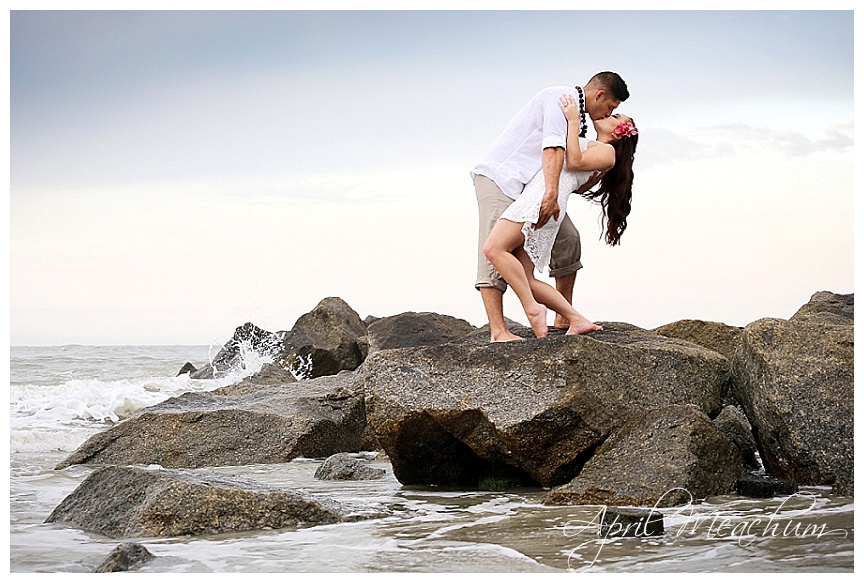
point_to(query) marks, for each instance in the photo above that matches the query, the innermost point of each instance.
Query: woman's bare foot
(508, 337)
(583, 326)
(561, 323)
(537, 319)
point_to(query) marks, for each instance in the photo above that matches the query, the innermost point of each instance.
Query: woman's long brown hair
(616, 189)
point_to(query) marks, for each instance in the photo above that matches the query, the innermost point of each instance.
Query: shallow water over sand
(428, 530)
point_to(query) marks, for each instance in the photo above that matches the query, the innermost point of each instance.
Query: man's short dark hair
(613, 84)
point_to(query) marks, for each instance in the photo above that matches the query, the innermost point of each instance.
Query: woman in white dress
(516, 247)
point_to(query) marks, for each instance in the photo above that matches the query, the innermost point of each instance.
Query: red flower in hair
(625, 130)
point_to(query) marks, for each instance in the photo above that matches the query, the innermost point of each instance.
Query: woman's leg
(552, 298)
(505, 239)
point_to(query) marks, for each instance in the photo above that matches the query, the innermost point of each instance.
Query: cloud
(665, 146)
(836, 138)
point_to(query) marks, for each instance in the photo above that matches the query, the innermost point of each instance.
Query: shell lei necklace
(583, 126)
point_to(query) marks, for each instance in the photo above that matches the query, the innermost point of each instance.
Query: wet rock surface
(125, 557)
(343, 466)
(247, 423)
(130, 502)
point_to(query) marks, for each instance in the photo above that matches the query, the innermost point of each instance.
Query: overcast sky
(176, 174)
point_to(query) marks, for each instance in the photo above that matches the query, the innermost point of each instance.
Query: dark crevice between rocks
(501, 477)
(432, 457)
(473, 428)
(569, 471)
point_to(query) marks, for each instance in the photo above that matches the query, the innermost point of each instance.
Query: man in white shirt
(533, 140)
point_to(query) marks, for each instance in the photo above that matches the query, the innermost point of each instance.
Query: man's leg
(493, 302)
(565, 262)
(491, 202)
(565, 284)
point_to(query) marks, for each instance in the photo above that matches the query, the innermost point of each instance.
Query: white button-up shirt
(517, 155)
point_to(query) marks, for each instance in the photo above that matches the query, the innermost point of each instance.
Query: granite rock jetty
(618, 417)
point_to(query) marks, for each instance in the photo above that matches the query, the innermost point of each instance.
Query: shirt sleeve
(554, 123)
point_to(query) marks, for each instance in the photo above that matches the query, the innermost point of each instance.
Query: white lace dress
(526, 210)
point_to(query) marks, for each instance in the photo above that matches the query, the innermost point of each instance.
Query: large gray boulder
(823, 303)
(246, 423)
(332, 335)
(412, 329)
(660, 457)
(127, 502)
(795, 381)
(714, 336)
(534, 410)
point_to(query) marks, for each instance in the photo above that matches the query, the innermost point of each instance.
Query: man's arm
(553, 161)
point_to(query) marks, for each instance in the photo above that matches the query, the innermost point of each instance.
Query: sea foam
(60, 416)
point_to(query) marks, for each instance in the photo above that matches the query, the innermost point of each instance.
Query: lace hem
(538, 243)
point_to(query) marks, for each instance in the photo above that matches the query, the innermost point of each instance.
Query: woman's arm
(573, 151)
(597, 157)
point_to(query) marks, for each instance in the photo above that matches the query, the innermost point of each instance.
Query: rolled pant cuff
(499, 285)
(564, 271)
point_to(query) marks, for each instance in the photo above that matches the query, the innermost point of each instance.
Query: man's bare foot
(505, 337)
(561, 323)
(584, 326)
(537, 319)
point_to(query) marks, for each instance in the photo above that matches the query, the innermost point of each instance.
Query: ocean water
(60, 396)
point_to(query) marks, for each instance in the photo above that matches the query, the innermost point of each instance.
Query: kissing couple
(523, 184)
